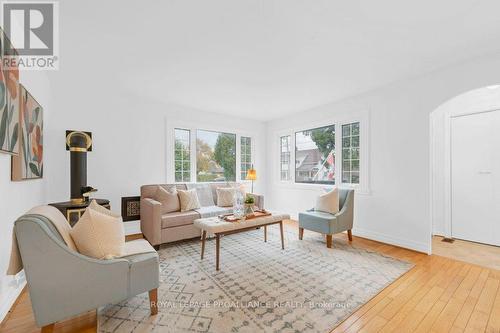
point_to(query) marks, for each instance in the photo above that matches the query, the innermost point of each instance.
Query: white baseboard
(380, 237)
(383, 238)
(132, 227)
(10, 293)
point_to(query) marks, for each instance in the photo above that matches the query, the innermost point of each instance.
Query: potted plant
(249, 202)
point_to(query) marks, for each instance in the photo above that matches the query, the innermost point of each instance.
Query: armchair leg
(48, 328)
(153, 301)
(301, 233)
(329, 241)
(349, 235)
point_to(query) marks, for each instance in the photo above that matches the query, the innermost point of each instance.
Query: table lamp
(252, 175)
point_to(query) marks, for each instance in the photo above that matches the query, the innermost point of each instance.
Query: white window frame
(251, 153)
(190, 152)
(171, 125)
(290, 167)
(364, 146)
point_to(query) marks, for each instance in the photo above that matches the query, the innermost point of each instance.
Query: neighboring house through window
(285, 157)
(316, 152)
(315, 155)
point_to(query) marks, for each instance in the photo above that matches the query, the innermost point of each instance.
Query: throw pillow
(169, 200)
(328, 202)
(225, 196)
(99, 235)
(204, 194)
(189, 200)
(101, 209)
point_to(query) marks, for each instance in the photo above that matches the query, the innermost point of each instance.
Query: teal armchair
(63, 283)
(329, 224)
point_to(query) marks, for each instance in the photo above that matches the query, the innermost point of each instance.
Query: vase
(248, 209)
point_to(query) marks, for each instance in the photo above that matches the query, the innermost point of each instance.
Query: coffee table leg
(282, 238)
(203, 237)
(217, 251)
(265, 233)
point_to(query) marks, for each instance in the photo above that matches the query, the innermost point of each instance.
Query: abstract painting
(28, 164)
(9, 99)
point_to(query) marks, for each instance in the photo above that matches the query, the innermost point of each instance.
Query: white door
(475, 177)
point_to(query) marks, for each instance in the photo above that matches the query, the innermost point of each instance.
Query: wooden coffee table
(219, 227)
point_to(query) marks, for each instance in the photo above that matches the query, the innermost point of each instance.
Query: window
(182, 154)
(215, 156)
(246, 155)
(315, 155)
(316, 150)
(285, 157)
(350, 153)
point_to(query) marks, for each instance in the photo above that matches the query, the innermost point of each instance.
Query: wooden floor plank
(494, 321)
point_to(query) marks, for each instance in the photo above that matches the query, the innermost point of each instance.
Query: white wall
(398, 210)
(477, 100)
(129, 143)
(18, 197)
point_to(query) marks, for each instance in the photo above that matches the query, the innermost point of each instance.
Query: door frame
(447, 165)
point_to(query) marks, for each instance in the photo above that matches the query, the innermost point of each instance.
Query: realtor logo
(32, 28)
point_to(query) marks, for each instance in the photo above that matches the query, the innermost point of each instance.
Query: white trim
(363, 117)
(447, 174)
(10, 293)
(193, 126)
(448, 212)
(387, 239)
(432, 178)
(280, 135)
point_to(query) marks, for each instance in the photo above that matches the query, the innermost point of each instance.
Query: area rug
(260, 287)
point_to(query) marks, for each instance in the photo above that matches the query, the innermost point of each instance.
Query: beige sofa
(161, 228)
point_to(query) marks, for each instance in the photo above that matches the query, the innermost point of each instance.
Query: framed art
(9, 99)
(28, 164)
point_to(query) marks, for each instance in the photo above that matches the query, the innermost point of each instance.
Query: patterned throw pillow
(189, 200)
(95, 206)
(99, 234)
(225, 196)
(328, 202)
(169, 200)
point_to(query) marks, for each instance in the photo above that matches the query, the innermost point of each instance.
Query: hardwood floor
(438, 295)
(471, 252)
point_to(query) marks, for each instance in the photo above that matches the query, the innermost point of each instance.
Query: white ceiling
(264, 59)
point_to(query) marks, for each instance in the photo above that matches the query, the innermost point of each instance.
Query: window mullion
(192, 155)
(338, 154)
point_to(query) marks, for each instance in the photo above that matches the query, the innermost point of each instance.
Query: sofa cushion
(176, 219)
(212, 211)
(204, 192)
(149, 191)
(189, 200)
(169, 200)
(317, 221)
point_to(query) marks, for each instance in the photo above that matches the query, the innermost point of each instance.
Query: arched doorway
(465, 156)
